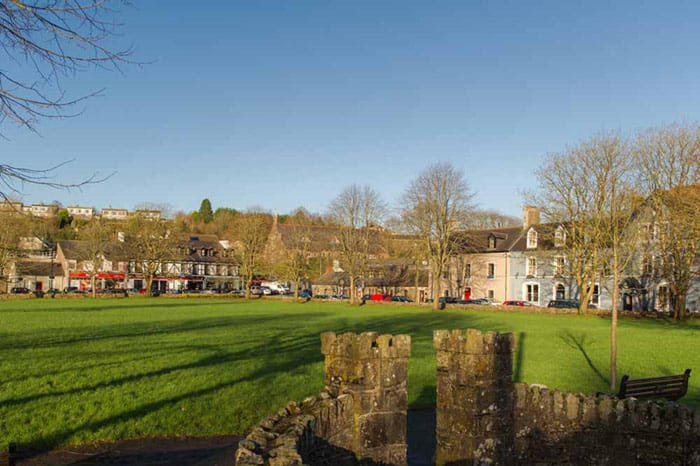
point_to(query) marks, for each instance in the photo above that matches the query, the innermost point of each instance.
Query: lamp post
(341, 284)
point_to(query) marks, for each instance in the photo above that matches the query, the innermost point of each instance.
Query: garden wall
(482, 416)
(359, 417)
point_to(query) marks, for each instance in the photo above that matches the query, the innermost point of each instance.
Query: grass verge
(78, 371)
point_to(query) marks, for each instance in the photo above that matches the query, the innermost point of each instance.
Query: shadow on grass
(288, 356)
(50, 338)
(100, 305)
(578, 342)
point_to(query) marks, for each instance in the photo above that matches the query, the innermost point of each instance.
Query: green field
(77, 371)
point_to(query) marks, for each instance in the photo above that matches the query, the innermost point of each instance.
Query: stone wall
(474, 397)
(483, 418)
(359, 417)
(553, 427)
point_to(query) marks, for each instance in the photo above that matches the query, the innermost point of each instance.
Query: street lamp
(341, 283)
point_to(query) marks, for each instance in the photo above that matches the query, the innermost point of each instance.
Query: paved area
(208, 451)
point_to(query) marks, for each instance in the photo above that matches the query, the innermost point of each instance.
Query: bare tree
(668, 170)
(12, 179)
(96, 238)
(614, 210)
(46, 41)
(12, 227)
(249, 232)
(436, 206)
(151, 245)
(357, 211)
(568, 196)
(295, 261)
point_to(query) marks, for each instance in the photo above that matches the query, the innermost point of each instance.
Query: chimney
(531, 216)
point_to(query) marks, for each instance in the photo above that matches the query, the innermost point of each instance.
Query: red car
(516, 302)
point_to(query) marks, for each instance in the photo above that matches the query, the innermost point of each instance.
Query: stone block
(377, 430)
(394, 372)
(475, 342)
(441, 340)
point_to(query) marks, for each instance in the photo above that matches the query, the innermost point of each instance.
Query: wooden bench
(669, 387)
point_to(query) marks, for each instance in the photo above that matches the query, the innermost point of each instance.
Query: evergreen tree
(205, 212)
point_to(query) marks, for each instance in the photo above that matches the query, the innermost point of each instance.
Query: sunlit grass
(76, 371)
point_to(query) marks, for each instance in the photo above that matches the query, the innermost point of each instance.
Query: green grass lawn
(77, 371)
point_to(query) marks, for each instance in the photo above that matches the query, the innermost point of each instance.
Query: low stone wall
(482, 416)
(359, 417)
(553, 427)
(309, 432)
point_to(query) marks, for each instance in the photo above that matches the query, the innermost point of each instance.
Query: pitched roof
(477, 241)
(39, 268)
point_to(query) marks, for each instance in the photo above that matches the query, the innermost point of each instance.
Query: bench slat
(671, 387)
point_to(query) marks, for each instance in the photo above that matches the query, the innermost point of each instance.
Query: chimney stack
(531, 216)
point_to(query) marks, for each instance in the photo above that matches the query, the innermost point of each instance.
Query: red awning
(114, 276)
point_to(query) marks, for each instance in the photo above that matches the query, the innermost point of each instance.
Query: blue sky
(283, 104)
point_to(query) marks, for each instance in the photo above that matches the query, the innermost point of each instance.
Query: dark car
(19, 290)
(401, 299)
(563, 304)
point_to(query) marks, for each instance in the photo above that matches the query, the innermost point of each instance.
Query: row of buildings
(81, 212)
(524, 262)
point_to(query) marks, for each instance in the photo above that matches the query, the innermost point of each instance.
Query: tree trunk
(149, 284)
(436, 289)
(613, 333)
(353, 291)
(92, 285)
(679, 307)
(247, 282)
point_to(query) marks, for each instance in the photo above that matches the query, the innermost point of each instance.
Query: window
(201, 269)
(532, 292)
(531, 239)
(647, 265)
(559, 237)
(595, 297)
(468, 270)
(559, 265)
(491, 271)
(662, 298)
(560, 292)
(491, 294)
(531, 266)
(492, 242)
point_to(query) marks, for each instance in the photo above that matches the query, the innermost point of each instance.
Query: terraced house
(530, 263)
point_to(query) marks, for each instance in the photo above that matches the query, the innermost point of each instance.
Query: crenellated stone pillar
(475, 397)
(373, 369)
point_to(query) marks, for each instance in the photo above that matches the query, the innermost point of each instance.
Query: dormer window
(492, 242)
(559, 237)
(531, 239)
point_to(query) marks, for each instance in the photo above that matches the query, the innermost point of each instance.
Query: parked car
(563, 304)
(401, 299)
(73, 290)
(19, 290)
(516, 302)
(305, 294)
(266, 290)
(256, 290)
